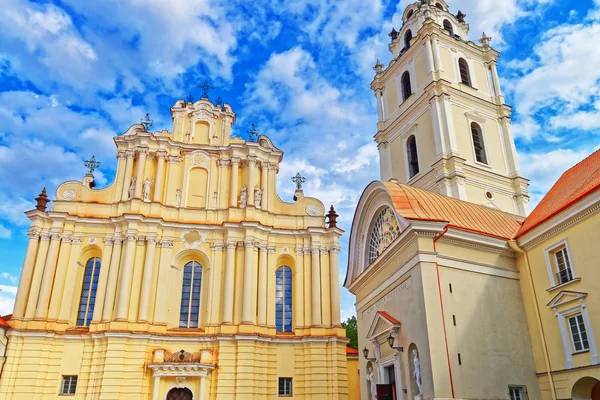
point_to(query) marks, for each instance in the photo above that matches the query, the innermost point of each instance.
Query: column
(385, 161)
(59, 280)
(398, 373)
(379, 105)
(335, 286)
(271, 289)
(120, 179)
(66, 304)
(228, 284)
(36, 279)
(103, 279)
(262, 285)
(429, 56)
(448, 124)
(233, 192)
(250, 278)
(26, 274)
(125, 279)
(156, 388)
(111, 284)
(127, 178)
(264, 185)
(48, 277)
(437, 61)
(203, 388)
(147, 279)
(316, 287)
(164, 267)
(139, 172)
(272, 184)
(223, 192)
(214, 317)
(160, 176)
(307, 288)
(251, 179)
(325, 288)
(496, 79)
(298, 288)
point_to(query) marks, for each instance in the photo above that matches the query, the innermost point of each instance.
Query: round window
(489, 195)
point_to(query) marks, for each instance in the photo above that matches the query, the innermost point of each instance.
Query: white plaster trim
(480, 121)
(405, 136)
(549, 252)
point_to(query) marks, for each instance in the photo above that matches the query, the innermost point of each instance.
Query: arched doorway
(180, 394)
(586, 388)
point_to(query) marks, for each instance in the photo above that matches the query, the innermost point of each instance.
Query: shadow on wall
(586, 388)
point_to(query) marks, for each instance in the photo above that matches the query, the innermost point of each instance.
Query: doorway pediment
(383, 323)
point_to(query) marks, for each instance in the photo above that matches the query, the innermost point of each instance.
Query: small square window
(69, 385)
(517, 392)
(285, 387)
(578, 333)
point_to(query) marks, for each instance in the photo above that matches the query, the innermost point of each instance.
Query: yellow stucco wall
(353, 378)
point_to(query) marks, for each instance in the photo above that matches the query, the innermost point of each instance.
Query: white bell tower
(443, 124)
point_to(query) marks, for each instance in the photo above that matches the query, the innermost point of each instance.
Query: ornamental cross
(205, 87)
(147, 122)
(190, 98)
(91, 164)
(298, 180)
(253, 133)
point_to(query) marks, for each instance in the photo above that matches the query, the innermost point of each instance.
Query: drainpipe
(437, 269)
(513, 245)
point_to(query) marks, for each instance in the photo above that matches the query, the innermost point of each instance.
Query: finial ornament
(42, 201)
(91, 164)
(147, 122)
(299, 180)
(332, 218)
(378, 66)
(190, 98)
(205, 87)
(393, 34)
(252, 133)
(485, 40)
(219, 101)
(460, 17)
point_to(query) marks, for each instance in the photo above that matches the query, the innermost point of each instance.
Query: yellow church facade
(188, 277)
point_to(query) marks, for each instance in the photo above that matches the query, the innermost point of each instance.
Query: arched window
(190, 295)
(478, 144)
(88, 292)
(406, 89)
(409, 15)
(407, 38)
(438, 5)
(385, 230)
(283, 299)
(413, 158)
(465, 76)
(448, 27)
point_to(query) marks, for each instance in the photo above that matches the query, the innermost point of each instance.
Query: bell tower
(442, 121)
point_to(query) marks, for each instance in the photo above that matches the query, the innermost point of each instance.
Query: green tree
(351, 332)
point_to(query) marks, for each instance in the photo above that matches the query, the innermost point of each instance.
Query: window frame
(406, 74)
(92, 291)
(522, 392)
(409, 174)
(286, 381)
(284, 300)
(451, 30)
(469, 81)
(579, 323)
(190, 299)
(550, 255)
(64, 378)
(481, 136)
(408, 36)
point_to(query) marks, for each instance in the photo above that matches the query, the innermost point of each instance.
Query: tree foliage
(351, 332)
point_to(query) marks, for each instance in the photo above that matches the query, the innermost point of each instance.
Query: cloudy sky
(73, 74)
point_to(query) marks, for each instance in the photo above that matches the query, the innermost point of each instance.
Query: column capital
(174, 159)
(252, 159)
(33, 234)
(140, 239)
(130, 237)
(306, 251)
(118, 240)
(165, 243)
(235, 161)
(299, 251)
(44, 236)
(231, 245)
(55, 236)
(121, 155)
(223, 162)
(130, 153)
(108, 241)
(334, 250)
(142, 151)
(315, 250)
(77, 240)
(161, 154)
(324, 250)
(151, 240)
(273, 166)
(272, 250)
(217, 246)
(250, 243)
(67, 239)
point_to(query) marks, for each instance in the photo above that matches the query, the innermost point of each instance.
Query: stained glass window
(88, 292)
(190, 295)
(385, 231)
(283, 299)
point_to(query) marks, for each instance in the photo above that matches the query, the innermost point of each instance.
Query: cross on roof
(147, 122)
(205, 87)
(91, 164)
(298, 180)
(253, 133)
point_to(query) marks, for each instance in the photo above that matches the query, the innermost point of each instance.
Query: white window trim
(411, 132)
(457, 55)
(410, 68)
(522, 389)
(549, 252)
(479, 120)
(565, 333)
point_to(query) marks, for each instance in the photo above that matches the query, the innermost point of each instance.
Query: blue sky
(73, 74)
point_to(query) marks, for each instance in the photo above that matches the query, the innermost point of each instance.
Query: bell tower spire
(443, 124)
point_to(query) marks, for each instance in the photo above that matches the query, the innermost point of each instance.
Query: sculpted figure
(244, 197)
(132, 188)
(372, 383)
(178, 198)
(257, 196)
(146, 189)
(417, 371)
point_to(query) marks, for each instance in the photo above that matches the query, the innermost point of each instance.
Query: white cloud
(6, 275)
(5, 233)
(7, 299)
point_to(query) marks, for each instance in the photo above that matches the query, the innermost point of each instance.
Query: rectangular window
(69, 385)
(578, 334)
(517, 392)
(563, 266)
(285, 387)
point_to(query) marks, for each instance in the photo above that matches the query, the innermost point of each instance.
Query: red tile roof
(388, 317)
(350, 351)
(419, 204)
(4, 323)
(572, 186)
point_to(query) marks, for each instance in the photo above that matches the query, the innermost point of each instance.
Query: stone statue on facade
(417, 371)
(372, 383)
(132, 188)
(146, 189)
(257, 197)
(244, 197)
(178, 197)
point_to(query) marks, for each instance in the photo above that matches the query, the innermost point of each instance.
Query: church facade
(188, 277)
(458, 295)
